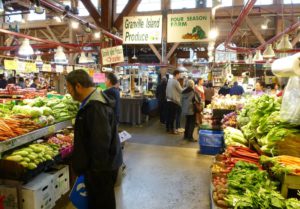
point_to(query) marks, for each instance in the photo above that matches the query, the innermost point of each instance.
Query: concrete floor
(163, 171)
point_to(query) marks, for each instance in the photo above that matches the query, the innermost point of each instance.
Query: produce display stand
(34, 135)
(21, 176)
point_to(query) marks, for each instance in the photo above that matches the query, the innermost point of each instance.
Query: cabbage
(35, 112)
(42, 120)
(46, 111)
(50, 119)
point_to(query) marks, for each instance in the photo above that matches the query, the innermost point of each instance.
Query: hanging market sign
(112, 55)
(10, 64)
(142, 29)
(46, 68)
(190, 27)
(30, 67)
(99, 77)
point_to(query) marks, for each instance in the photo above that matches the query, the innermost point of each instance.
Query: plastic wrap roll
(287, 66)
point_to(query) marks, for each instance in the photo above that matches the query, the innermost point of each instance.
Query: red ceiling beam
(245, 11)
(59, 8)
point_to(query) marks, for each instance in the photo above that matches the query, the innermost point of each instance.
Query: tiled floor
(163, 171)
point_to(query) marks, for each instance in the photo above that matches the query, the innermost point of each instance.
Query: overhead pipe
(245, 11)
(36, 39)
(59, 8)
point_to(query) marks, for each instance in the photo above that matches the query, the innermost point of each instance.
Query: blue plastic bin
(211, 138)
(206, 150)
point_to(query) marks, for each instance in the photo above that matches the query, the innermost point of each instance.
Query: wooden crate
(289, 182)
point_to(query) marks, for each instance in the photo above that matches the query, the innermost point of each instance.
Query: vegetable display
(229, 120)
(234, 137)
(260, 120)
(30, 157)
(31, 114)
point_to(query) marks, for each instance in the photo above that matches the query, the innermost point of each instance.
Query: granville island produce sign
(142, 29)
(189, 27)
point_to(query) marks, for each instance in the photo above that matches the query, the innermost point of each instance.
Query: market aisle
(163, 171)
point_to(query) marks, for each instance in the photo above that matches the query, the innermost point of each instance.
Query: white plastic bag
(290, 107)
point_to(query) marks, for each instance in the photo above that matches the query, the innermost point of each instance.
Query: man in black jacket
(162, 99)
(113, 92)
(97, 152)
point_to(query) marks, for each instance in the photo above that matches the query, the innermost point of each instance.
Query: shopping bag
(78, 195)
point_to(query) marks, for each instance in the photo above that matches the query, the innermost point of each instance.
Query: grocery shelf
(29, 137)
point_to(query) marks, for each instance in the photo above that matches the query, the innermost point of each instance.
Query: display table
(135, 110)
(131, 110)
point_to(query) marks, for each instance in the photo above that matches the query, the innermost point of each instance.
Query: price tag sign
(10, 64)
(46, 68)
(51, 129)
(30, 67)
(21, 66)
(59, 68)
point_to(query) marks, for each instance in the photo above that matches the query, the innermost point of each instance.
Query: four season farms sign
(112, 55)
(142, 29)
(189, 27)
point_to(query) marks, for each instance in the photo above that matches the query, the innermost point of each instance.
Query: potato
(222, 203)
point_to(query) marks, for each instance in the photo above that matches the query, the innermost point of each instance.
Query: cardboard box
(38, 193)
(61, 180)
(8, 197)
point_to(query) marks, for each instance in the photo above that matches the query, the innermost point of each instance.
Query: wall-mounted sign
(142, 29)
(112, 55)
(190, 27)
(10, 64)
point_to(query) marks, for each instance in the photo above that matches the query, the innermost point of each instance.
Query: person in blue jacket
(236, 89)
(113, 92)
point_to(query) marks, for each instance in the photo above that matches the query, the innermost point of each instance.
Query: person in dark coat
(97, 152)
(188, 109)
(224, 90)
(3, 82)
(236, 89)
(113, 92)
(162, 99)
(35, 83)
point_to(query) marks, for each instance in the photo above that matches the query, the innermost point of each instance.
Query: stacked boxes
(211, 142)
(38, 193)
(61, 180)
(8, 197)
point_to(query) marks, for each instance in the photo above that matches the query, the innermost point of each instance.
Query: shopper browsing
(236, 89)
(259, 88)
(224, 90)
(35, 83)
(3, 82)
(188, 99)
(161, 97)
(97, 152)
(173, 93)
(200, 91)
(113, 92)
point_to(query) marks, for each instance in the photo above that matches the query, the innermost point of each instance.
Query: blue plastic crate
(206, 150)
(211, 138)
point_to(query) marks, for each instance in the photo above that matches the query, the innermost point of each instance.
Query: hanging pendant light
(83, 59)
(25, 48)
(258, 56)
(90, 58)
(60, 56)
(269, 52)
(284, 43)
(39, 61)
